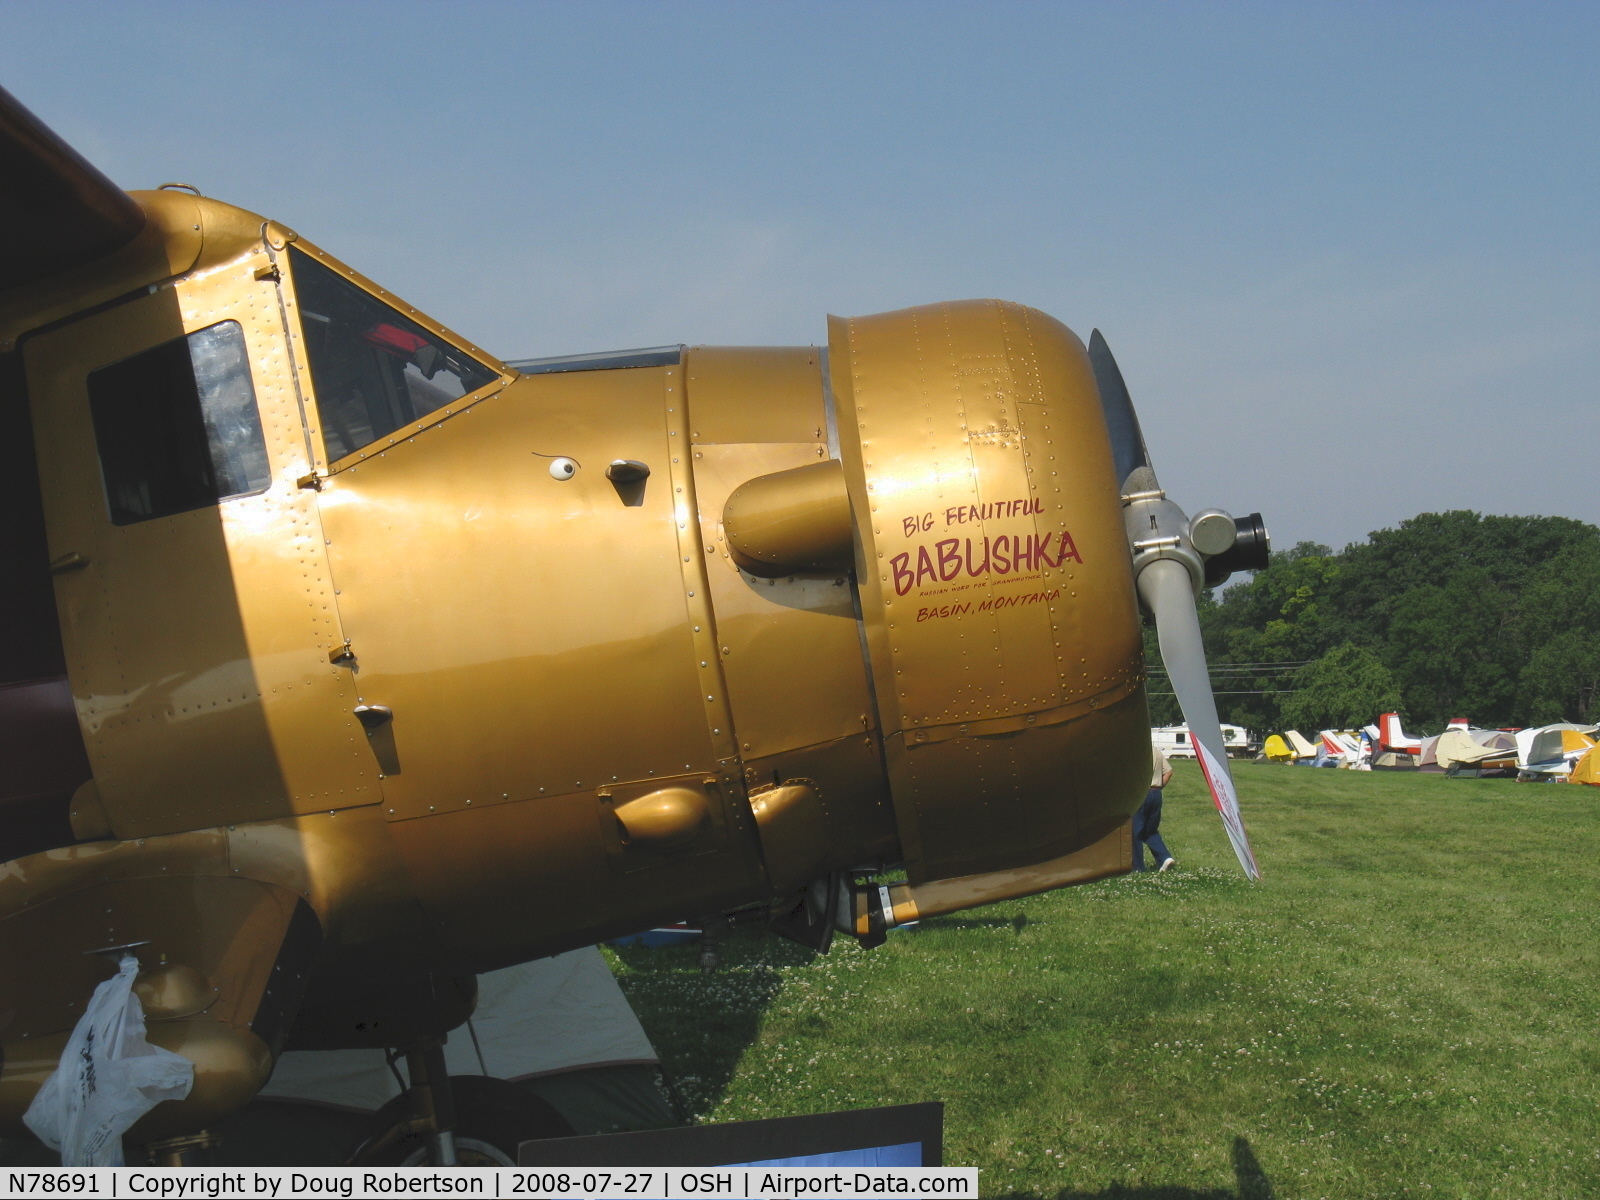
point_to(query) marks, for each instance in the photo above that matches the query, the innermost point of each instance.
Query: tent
(559, 1027)
(1587, 768)
(1392, 761)
(1551, 749)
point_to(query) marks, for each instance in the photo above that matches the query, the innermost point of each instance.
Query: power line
(1242, 677)
(1249, 668)
(1226, 666)
(1154, 670)
(1234, 675)
(1280, 692)
(1263, 666)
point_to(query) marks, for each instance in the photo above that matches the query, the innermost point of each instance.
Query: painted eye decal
(562, 468)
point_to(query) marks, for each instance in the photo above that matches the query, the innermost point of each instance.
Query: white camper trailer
(1174, 741)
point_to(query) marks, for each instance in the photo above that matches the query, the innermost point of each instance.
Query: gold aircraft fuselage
(394, 663)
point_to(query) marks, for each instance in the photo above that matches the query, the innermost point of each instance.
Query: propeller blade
(1168, 592)
(1168, 569)
(1122, 423)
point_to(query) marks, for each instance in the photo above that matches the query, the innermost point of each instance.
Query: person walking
(1147, 821)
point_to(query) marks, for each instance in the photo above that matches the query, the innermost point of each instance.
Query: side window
(372, 369)
(177, 426)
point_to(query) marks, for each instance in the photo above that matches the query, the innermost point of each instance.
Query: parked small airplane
(1460, 748)
(1290, 746)
(1338, 747)
(1393, 738)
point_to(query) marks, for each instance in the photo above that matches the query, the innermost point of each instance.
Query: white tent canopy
(1549, 750)
(543, 1017)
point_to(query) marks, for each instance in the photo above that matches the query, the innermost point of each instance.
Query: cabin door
(190, 569)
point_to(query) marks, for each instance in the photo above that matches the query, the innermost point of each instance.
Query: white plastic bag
(109, 1077)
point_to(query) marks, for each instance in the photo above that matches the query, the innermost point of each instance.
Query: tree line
(1449, 615)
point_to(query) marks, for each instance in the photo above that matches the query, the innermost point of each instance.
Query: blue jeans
(1147, 830)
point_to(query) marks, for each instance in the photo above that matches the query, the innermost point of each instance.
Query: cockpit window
(177, 426)
(373, 370)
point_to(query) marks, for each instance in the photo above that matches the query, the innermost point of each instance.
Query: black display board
(750, 1141)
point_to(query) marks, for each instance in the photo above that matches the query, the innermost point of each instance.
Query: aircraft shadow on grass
(698, 1062)
(1017, 923)
(732, 1018)
(699, 1057)
(1251, 1183)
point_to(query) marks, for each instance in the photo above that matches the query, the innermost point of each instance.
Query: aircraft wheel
(492, 1118)
(470, 1152)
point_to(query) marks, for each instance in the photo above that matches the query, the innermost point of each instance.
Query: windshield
(372, 369)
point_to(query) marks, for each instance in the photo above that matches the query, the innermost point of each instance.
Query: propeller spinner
(1174, 556)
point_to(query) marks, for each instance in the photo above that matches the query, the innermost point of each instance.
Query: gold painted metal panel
(197, 642)
(790, 648)
(994, 523)
(211, 923)
(345, 866)
(755, 394)
(850, 783)
(1005, 800)
(532, 636)
(510, 881)
(226, 928)
(994, 573)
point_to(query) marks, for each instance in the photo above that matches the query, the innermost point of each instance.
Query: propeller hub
(1157, 529)
(1248, 552)
(1212, 532)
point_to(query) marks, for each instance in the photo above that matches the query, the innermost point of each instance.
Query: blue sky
(1348, 255)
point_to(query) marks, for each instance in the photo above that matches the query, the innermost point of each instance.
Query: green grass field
(1406, 1005)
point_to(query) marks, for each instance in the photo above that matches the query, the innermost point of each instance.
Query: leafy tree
(1444, 600)
(1432, 548)
(1561, 626)
(1494, 618)
(1344, 689)
(1446, 643)
(1561, 681)
(1263, 627)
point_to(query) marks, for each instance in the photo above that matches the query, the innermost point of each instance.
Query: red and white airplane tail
(1394, 737)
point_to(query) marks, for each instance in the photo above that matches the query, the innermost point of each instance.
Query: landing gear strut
(447, 1121)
